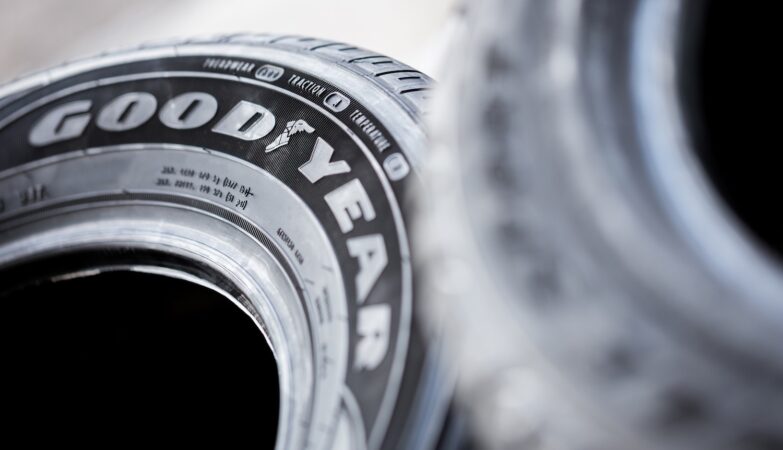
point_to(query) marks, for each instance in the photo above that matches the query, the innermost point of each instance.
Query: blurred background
(41, 33)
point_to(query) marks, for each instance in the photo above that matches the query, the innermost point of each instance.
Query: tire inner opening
(733, 87)
(133, 356)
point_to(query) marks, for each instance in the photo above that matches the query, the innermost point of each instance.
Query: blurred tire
(596, 289)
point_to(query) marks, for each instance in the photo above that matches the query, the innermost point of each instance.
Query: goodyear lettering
(371, 130)
(308, 86)
(349, 203)
(229, 65)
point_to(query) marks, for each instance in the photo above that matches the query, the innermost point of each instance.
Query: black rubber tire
(593, 296)
(154, 134)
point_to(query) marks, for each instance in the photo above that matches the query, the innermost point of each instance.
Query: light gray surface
(35, 34)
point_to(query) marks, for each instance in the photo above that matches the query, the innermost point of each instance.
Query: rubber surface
(596, 293)
(333, 129)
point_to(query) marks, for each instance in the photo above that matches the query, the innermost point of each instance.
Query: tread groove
(418, 89)
(279, 38)
(328, 44)
(362, 58)
(389, 72)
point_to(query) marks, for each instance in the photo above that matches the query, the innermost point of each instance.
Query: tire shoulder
(408, 86)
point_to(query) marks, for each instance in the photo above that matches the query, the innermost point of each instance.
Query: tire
(266, 168)
(596, 288)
